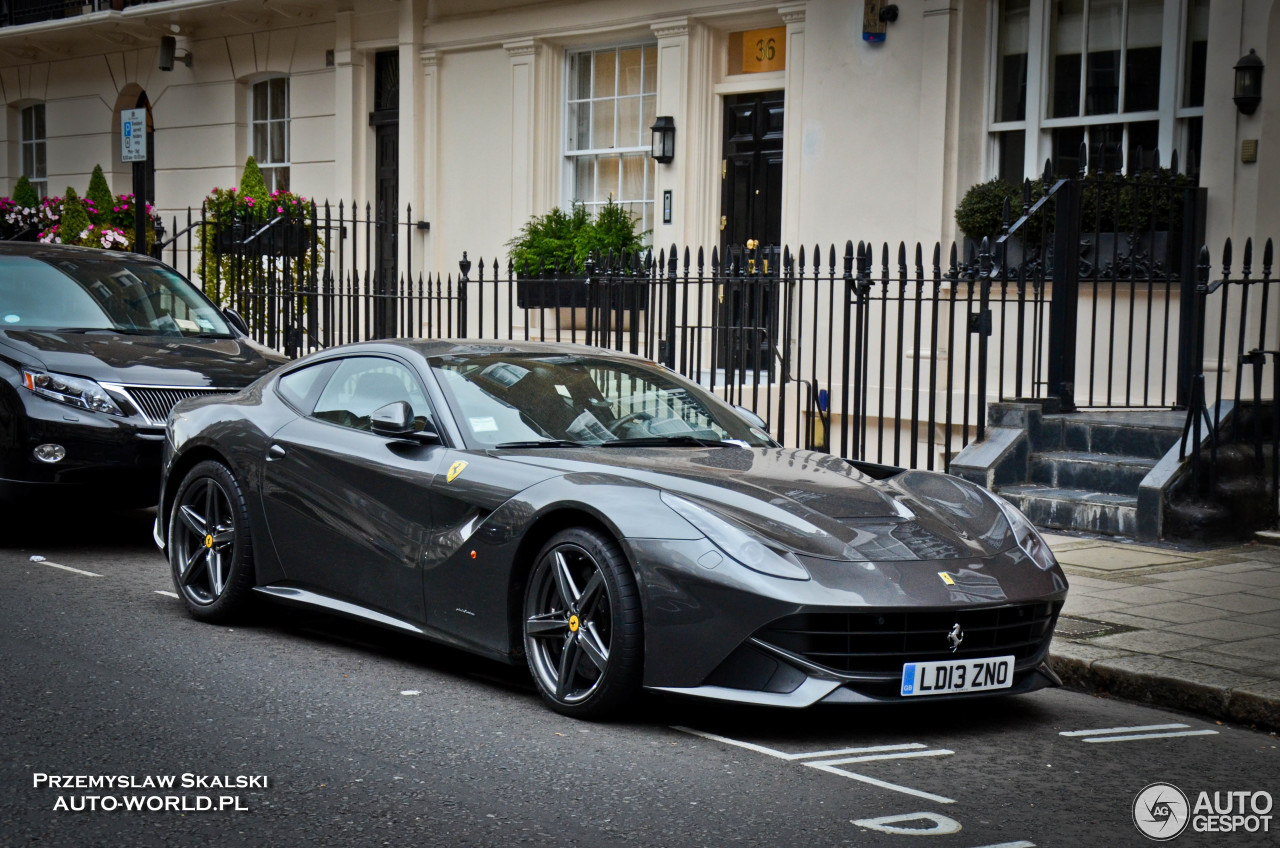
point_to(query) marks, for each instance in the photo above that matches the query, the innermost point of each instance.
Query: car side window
(299, 387)
(363, 384)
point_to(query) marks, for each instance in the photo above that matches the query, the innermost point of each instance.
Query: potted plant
(251, 221)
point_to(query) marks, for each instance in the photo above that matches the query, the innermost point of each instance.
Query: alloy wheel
(204, 543)
(568, 624)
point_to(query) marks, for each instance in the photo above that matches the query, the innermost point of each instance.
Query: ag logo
(455, 470)
(1161, 811)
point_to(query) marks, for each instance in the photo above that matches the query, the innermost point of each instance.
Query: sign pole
(133, 148)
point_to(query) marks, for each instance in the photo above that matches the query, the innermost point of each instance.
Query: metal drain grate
(1070, 627)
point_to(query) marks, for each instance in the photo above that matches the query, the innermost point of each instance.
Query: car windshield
(525, 399)
(78, 293)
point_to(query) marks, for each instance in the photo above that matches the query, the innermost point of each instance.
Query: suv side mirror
(751, 418)
(236, 320)
(396, 420)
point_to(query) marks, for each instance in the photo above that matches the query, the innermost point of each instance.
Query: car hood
(142, 360)
(811, 503)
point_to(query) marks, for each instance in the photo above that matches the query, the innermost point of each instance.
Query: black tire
(583, 626)
(210, 546)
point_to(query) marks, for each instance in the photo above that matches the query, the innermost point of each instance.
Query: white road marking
(860, 755)
(940, 825)
(1020, 844)
(1107, 731)
(806, 755)
(883, 784)
(173, 595)
(69, 568)
(1152, 736)
(1131, 734)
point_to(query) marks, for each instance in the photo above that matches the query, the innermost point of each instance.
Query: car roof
(54, 252)
(429, 348)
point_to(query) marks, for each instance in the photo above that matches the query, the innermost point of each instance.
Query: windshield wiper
(542, 443)
(664, 441)
(127, 331)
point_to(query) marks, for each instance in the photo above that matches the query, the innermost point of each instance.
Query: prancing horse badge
(455, 470)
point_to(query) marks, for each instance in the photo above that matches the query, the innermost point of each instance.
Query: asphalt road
(368, 738)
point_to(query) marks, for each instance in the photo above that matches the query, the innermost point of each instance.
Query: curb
(1164, 682)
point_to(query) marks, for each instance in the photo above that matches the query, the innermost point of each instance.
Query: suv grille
(154, 403)
(879, 642)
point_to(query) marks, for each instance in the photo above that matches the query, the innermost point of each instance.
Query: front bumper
(714, 632)
(113, 459)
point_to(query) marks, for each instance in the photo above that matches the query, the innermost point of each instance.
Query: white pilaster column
(793, 15)
(673, 90)
(429, 153)
(523, 55)
(348, 108)
(932, 154)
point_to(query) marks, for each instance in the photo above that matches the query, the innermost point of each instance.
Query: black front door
(750, 232)
(385, 120)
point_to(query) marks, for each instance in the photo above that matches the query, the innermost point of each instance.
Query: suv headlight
(740, 544)
(1026, 535)
(76, 391)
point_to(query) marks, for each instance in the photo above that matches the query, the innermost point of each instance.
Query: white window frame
(642, 209)
(275, 173)
(1172, 117)
(30, 145)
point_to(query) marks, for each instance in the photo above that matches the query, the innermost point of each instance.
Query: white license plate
(945, 678)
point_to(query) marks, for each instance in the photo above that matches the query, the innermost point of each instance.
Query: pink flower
(249, 200)
(279, 209)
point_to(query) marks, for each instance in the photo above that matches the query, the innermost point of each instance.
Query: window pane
(580, 76)
(1012, 152)
(1066, 150)
(1144, 138)
(1064, 70)
(260, 101)
(634, 172)
(650, 115)
(42, 167)
(1106, 147)
(38, 112)
(602, 124)
(605, 70)
(630, 78)
(278, 151)
(1142, 55)
(1102, 73)
(606, 179)
(279, 106)
(28, 123)
(1194, 135)
(1197, 49)
(583, 179)
(1011, 76)
(629, 122)
(651, 69)
(260, 143)
(579, 126)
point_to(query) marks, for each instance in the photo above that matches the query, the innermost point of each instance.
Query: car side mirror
(751, 418)
(396, 420)
(236, 320)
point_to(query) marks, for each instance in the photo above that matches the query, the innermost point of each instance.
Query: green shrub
(25, 194)
(563, 240)
(99, 194)
(75, 218)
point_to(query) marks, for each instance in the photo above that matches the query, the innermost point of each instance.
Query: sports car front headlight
(76, 391)
(1026, 535)
(740, 544)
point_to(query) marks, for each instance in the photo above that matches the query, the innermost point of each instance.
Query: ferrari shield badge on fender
(946, 578)
(455, 470)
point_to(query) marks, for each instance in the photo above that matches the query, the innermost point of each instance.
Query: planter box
(575, 293)
(285, 238)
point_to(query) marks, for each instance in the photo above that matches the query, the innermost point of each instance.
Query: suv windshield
(111, 293)
(522, 399)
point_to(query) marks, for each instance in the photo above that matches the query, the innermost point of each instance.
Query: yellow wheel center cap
(573, 624)
(208, 541)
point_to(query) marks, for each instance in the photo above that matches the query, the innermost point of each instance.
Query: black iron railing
(18, 12)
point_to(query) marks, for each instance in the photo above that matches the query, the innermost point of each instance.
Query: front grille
(154, 403)
(880, 641)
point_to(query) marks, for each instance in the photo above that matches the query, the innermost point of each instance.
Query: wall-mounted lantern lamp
(1248, 83)
(664, 139)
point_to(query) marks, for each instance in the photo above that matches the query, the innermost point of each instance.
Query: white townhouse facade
(810, 121)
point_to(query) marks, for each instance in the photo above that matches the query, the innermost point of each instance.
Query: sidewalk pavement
(1192, 630)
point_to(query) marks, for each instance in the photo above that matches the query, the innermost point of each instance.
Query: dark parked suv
(95, 349)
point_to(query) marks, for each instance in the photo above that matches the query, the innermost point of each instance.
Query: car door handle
(275, 452)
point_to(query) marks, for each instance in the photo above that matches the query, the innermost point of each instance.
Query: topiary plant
(75, 219)
(25, 194)
(563, 240)
(99, 194)
(253, 186)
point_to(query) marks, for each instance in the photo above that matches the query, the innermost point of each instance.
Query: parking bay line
(68, 568)
(1133, 734)
(167, 594)
(832, 766)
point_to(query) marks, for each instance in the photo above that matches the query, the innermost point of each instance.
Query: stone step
(1146, 435)
(1120, 475)
(1076, 509)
